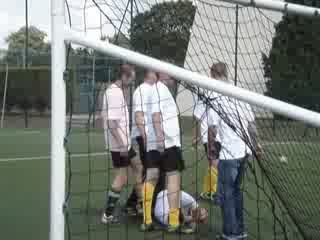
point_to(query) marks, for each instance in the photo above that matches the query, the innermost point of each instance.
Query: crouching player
(191, 213)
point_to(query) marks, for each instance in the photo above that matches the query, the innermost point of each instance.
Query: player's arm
(114, 128)
(157, 118)
(157, 125)
(253, 133)
(212, 135)
(213, 124)
(113, 115)
(140, 122)
(196, 131)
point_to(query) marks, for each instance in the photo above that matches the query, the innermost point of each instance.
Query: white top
(142, 102)
(164, 103)
(200, 112)
(161, 209)
(115, 107)
(238, 116)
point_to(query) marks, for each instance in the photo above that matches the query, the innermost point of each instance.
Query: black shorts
(142, 150)
(119, 161)
(168, 161)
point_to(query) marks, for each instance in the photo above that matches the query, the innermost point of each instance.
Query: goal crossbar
(279, 6)
(276, 106)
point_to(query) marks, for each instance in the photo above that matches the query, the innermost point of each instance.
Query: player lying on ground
(191, 213)
(116, 128)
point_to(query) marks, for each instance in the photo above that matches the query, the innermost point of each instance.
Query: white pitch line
(79, 155)
(289, 143)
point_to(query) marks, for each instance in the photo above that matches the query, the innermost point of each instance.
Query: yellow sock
(213, 179)
(174, 217)
(210, 180)
(147, 193)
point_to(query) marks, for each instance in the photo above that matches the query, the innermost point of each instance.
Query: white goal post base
(62, 34)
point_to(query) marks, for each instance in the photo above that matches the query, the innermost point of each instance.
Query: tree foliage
(164, 31)
(38, 48)
(293, 63)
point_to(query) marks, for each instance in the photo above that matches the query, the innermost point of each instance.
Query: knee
(152, 175)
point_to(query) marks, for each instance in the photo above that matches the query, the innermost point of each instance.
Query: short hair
(126, 69)
(148, 71)
(219, 69)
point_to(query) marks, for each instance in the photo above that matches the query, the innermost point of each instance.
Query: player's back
(142, 101)
(232, 117)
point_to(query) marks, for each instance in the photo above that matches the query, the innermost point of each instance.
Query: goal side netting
(281, 192)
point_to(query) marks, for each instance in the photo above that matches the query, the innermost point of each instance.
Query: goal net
(263, 53)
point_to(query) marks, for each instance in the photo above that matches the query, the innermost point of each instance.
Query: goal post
(61, 34)
(280, 6)
(58, 121)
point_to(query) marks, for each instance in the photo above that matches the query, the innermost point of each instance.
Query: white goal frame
(61, 34)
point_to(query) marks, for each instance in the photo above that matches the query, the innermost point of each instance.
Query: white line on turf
(79, 155)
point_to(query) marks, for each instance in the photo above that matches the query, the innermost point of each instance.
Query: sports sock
(174, 217)
(112, 200)
(210, 180)
(147, 193)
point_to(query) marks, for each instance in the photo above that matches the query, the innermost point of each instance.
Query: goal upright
(62, 34)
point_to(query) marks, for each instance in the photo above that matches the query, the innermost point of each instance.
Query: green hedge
(30, 85)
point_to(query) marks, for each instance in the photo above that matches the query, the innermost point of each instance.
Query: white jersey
(233, 131)
(164, 103)
(161, 209)
(142, 102)
(201, 113)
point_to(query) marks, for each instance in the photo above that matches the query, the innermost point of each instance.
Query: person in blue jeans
(231, 127)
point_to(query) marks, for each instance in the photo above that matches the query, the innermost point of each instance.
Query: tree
(293, 63)
(37, 46)
(164, 31)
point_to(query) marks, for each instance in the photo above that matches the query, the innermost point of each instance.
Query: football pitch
(24, 184)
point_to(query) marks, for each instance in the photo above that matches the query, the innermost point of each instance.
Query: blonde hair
(219, 70)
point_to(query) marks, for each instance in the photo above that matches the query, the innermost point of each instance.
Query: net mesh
(280, 191)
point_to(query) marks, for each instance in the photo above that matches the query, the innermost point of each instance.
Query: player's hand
(195, 142)
(259, 151)
(124, 151)
(160, 143)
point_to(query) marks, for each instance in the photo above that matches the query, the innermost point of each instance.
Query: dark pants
(230, 195)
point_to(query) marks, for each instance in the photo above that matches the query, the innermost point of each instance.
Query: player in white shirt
(142, 128)
(115, 117)
(190, 211)
(166, 154)
(233, 121)
(201, 133)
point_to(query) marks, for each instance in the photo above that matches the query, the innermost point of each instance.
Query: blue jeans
(230, 196)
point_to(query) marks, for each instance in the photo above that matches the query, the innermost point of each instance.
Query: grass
(24, 184)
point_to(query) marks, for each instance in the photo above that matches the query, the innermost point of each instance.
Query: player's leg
(137, 170)
(173, 165)
(227, 177)
(148, 189)
(239, 200)
(120, 164)
(134, 202)
(210, 180)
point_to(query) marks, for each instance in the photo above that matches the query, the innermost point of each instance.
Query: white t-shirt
(231, 114)
(200, 112)
(164, 103)
(161, 209)
(142, 102)
(115, 107)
